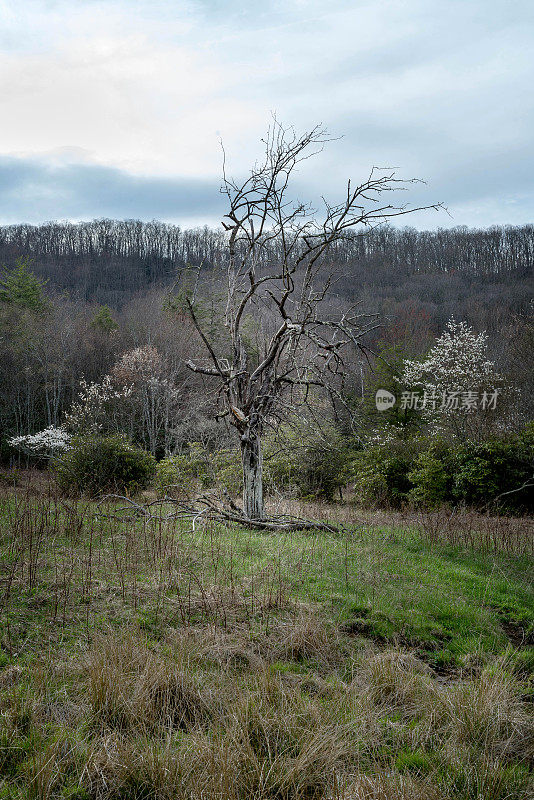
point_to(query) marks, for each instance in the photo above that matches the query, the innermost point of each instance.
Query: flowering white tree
(90, 414)
(139, 398)
(45, 444)
(456, 383)
(155, 397)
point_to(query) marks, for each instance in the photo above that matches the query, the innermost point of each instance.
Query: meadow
(164, 658)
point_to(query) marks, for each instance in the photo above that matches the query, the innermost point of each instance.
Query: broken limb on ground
(208, 507)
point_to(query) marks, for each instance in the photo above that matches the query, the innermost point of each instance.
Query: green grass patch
(155, 661)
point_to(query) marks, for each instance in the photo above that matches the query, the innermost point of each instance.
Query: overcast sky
(115, 108)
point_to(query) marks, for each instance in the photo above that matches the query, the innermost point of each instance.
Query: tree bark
(252, 476)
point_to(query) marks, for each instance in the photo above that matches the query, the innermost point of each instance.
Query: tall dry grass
(164, 720)
(180, 665)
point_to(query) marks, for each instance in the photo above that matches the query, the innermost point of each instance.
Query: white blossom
(457, 364)
(89, 412)
(458, 371)
(45, 444)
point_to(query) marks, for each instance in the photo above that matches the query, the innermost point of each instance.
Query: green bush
(226, 471)
(432, 475)
(199, 468)
(307, 461)
(494, 471)
(182, 474)
(382, 471)
(299, 460)
(173, 478)
(323, 470)
(480, 474)
(476, 480)
(433, 472)
(370, 485)
(99, 464)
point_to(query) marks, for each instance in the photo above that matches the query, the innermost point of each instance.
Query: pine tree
(20, 287)
(103, 320)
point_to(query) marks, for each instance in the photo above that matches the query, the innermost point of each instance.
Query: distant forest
(111, 287)
(479, 275)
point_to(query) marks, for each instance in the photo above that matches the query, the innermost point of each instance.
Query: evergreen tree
(20, 287)
(103, 320)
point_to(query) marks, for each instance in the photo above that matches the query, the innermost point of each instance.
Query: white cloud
(148, 87)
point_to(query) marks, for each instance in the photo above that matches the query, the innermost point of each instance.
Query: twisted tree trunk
(278, 273)
(252, 475)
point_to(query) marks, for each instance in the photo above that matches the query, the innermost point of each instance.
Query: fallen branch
(209, 508)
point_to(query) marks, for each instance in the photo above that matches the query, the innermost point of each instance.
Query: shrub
(226, 471)
(171, 477)
(304, 460)
(182, 474)
(477, 473)
(198, 468)
(382, 473)
(370, 485)
(104, 463)
(323, 470)
(308, 461)
(489, 471)
(476, 480)
(432, 475)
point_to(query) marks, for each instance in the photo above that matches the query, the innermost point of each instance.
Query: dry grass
(128, 687)
(152, 661)
(461, 526)
(151, 729)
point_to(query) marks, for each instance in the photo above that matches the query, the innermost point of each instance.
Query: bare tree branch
(277, 270)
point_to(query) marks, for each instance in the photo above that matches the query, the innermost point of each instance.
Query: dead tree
(277, 260)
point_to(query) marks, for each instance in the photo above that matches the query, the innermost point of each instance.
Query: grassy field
(155, 659)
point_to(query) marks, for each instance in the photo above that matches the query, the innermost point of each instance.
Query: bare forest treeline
(413, 280)
(109, 261)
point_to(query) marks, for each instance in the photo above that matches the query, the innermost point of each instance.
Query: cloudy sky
(116, 108)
